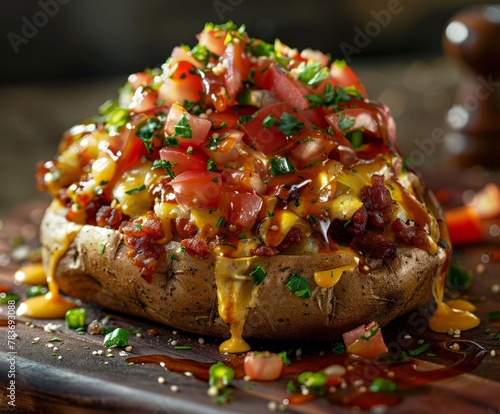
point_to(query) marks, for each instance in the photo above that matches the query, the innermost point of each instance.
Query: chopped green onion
(220, 375)
(382, 385)
(220, 221)
(269, 121)
(182, 347)
(458, 276)
(6, 297)
(118, 337)
(338, 348)
(356, 138)
(289, 124)
(312, 379)
(136, 190)
(75, 318)
(419, 350)
(38, 290)
(346, 122)
(258, 275)
(494, 315)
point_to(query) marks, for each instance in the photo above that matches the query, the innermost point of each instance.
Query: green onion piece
(269, 121)
(312, 379)
(458, 276)
(346, 122)
(258, 275)
(299, 286)
(108, 106)
(245, 118)
(136, 190)
(289, 124)
(118, 337)
(356, 138)
(372, 332)
(291, 387)
(6, 297)
(284, 357)
(182, 347)
(382, 385)
(338, 348)
(494, 315)
(55, 339)
(420, 350)
(38, 290)
(220, 375)
(75, 318)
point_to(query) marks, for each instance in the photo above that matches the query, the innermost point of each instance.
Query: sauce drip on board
(31, 274)
(356, 394)
(449, 316)
(52, 304)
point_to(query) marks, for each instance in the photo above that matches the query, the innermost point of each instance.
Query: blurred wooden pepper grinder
(473, 38)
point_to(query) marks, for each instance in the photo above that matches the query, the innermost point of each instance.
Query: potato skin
(183, 292)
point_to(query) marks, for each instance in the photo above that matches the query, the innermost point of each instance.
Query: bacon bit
(413, 235)
(196, 247)
(141, 235)
(375, 245)
(109, 217)
(292, 237)
(264, 250)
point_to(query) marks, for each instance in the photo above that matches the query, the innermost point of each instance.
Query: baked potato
(244, 189)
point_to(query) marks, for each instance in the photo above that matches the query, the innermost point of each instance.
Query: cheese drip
(329, 278)
(451, 315)
(236, 295)
(52, 305)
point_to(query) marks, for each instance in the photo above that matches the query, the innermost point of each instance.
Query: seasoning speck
(272, 406)
(201, 341)
(213, 391)
(128, 348)
(495, 288)
(174, 388)
(493, 353)
(161, 380)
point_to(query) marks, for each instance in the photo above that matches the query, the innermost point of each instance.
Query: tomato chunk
(262, 366)
(341, 74)
(197, 188)
(197, 130)
(181, 161)
(183, 84)
(365, 341)
(241, 208)
(237, 67)
(464, 225)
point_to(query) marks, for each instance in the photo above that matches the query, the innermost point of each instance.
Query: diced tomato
(197, 188)
(144, 100)
(224, 148)
(365, 341)
(213, 40)
(181, 161)
(241, 208)
(262, 366)
(181, 54)
(315, 55)
(268, 140)
(293, 92)
(245, 179)
(464, 225)
(363, 119)
(227, 119)
(140, 79)
(237, 67)
(199, 127)
(261, 73)
(183, 84)
(4, 289)
(344, 76)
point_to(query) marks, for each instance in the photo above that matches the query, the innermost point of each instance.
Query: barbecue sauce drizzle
(406, 375)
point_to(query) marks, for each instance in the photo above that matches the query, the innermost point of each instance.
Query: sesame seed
(173, 343)
(122, 353)
(246, 378)
(106, 362)
(138, 335)
(379, 409)
(209, 111)
(480, 268)
(94, 352)
(358, 383)
(298, 352)
(335, 370)
(455, 347)
(162, 364)
(407, 336)
(201, 341)
(362, 389)
(215, 135)
(272, 406)
(305, 391)
(59, 357)
(174, 388)
(493, 353)
(213, 391)
(128, 348)
(274, 227)
(495, 288)
(457, 332)
(343, 385)
(98, 352)
(161, 380)
(174, 332)
(203, 116)
(188, 374)
(450, 332)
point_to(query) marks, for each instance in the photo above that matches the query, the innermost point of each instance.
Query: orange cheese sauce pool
(51, 305)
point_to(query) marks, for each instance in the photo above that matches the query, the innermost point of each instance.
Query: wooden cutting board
(77, 375)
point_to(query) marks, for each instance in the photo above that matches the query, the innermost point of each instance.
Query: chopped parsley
(166, 165)
(183, 129)
(280, 165)
(299, 286)
(146, 132)
(311, 73)
(346, 122)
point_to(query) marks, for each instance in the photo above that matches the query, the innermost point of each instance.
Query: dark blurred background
(61, 58)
